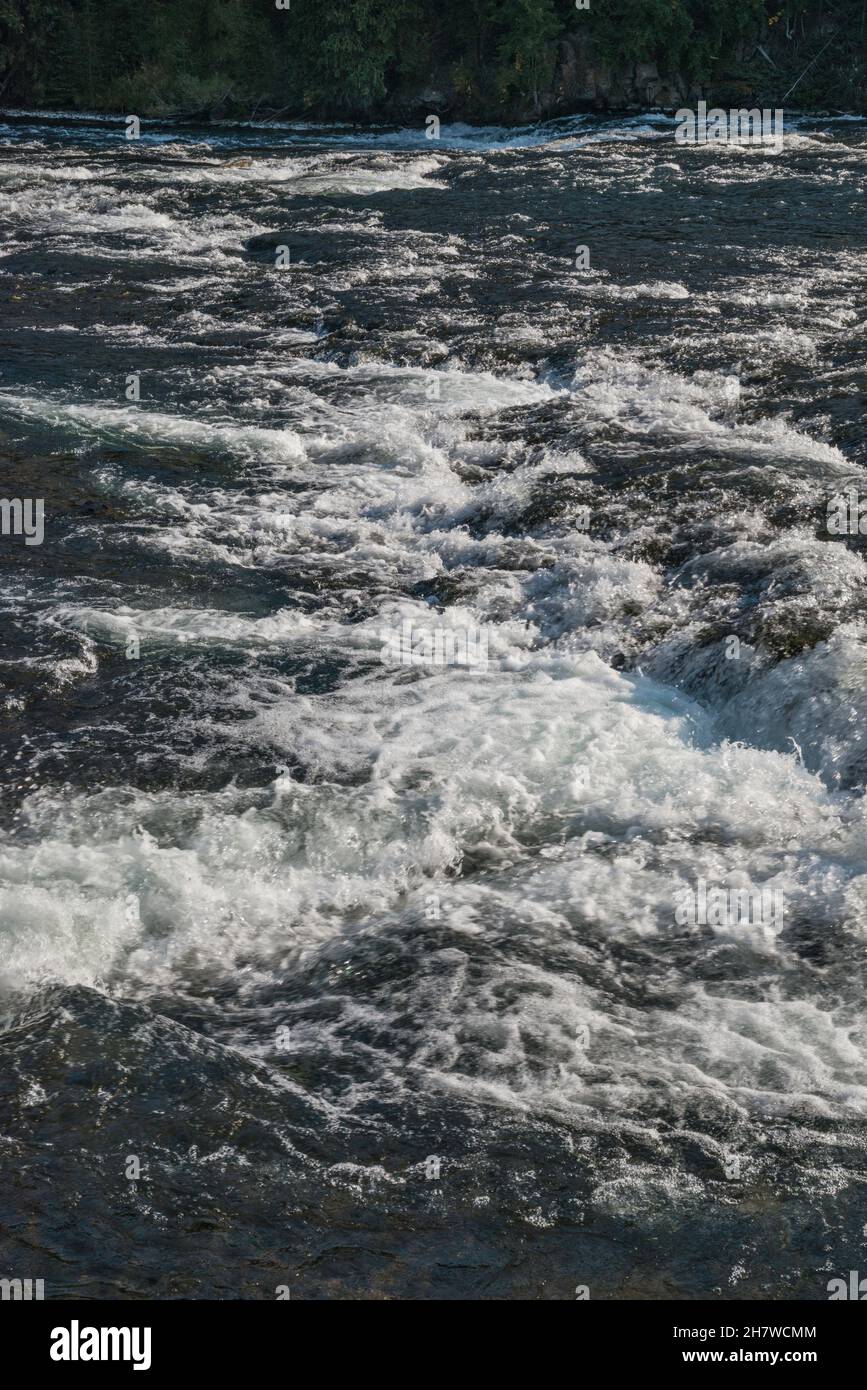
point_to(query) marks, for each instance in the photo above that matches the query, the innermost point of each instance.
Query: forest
(371, 59)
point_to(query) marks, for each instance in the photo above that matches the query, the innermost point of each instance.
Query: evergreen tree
(344, 51)
(527, 45)
(328, 56)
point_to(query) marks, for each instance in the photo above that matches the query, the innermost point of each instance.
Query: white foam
(154, 428)
(547, 753)
(657, 289)
(552, 807)
(342, 174)
(646, 401)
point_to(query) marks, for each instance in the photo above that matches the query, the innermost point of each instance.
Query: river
(436, 590)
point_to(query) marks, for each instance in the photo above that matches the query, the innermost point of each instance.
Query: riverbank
(522, 61)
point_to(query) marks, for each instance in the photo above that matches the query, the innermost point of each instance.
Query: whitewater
(377, 967)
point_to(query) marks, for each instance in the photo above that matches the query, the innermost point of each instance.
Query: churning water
(366, 976)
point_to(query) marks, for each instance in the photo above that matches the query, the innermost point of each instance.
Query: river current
(330, 966)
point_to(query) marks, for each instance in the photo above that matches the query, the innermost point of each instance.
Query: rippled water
(299, 930)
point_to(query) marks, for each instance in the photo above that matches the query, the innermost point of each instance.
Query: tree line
(367, 57)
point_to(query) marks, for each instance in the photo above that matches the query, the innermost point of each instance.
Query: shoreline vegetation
(382, 61)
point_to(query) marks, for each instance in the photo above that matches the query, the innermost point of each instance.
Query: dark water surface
(298, 930)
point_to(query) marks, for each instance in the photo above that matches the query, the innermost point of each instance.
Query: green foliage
(529, 28)
(156, 90)
(105, 54)
(358, 56)
(343, 51)
(27, 29)
(680, 33)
